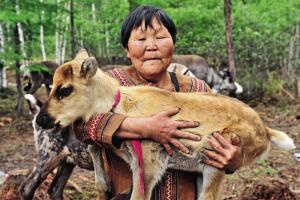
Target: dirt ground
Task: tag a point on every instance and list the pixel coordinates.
(17, 151)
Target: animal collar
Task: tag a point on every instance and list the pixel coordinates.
(117, 100)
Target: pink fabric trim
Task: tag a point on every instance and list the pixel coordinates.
(137, 147)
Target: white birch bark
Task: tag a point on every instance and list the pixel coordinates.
(21, 37)
(42, 32)
(95, 24)
(297, 50)
(3, 78)
(64, 43)
(80, 37)
(107, 38)
(58, 35)
(290, 69)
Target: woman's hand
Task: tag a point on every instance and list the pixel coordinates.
(160, 128)
(226, 156)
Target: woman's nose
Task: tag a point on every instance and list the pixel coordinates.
(151, 44)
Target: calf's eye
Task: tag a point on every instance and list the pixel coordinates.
(63, 92)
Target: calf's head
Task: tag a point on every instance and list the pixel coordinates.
(72, 92)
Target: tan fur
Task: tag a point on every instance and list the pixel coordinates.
(214, 112)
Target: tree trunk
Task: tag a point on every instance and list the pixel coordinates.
(64, 37)
(42, 31)
(229, 42)
(97, 30)
(3, 79)
(290, 68)
(20, 98)
(73, 44)
(21, 36)
(107, 44)
(58, 34)
(297, 43)
(297, 87)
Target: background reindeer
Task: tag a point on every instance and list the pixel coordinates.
(221, 81)
(36, 77)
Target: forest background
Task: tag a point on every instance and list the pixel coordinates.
(265, 35)
(266, 51)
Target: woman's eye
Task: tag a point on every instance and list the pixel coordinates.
(141, 39)
(160, 38)
(64, 92)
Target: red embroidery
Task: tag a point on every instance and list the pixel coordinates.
(92, 131)
(121, 76)
(168, 186)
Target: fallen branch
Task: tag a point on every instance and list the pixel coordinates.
(75, 186)
(287, 93)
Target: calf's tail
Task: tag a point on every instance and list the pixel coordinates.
(280, 139)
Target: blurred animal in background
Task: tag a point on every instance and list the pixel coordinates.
(38, 74)
(180, 69)
(222, 81)
(55, 149)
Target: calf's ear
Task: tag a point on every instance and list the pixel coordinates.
(81, 54)
(89, 67)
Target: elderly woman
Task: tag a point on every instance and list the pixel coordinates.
(148, 36)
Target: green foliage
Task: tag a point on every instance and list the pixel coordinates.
(274, 83)
(264, 168)
(262, 30)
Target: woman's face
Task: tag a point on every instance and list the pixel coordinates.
(150, 50)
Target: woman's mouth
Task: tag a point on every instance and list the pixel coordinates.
(149, 59)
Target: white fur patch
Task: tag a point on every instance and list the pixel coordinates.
(285, 143)
(239, 88)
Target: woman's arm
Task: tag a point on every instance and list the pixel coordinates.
(113, 128)
(160, 128)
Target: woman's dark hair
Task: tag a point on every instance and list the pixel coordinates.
(136, 17)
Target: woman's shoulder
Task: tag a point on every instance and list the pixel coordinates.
(191, 84)
(123, 74)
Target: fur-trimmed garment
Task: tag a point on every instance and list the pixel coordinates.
(175, 185)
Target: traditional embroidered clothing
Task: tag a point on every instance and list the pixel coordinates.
(175, 185)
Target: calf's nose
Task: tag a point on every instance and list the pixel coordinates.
(45, 121)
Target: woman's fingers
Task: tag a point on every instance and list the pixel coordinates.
(216, 158)
(186, 135)
(216, 146)
(179, 145)
(221, 140)
(212, 163)
(187, 124)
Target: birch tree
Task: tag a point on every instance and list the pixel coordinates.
(21, 37)
(3, 79)
(229, 42)
(64, 39)
(42, 31)
(58, 35)
(72, 27)
(95, 24)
